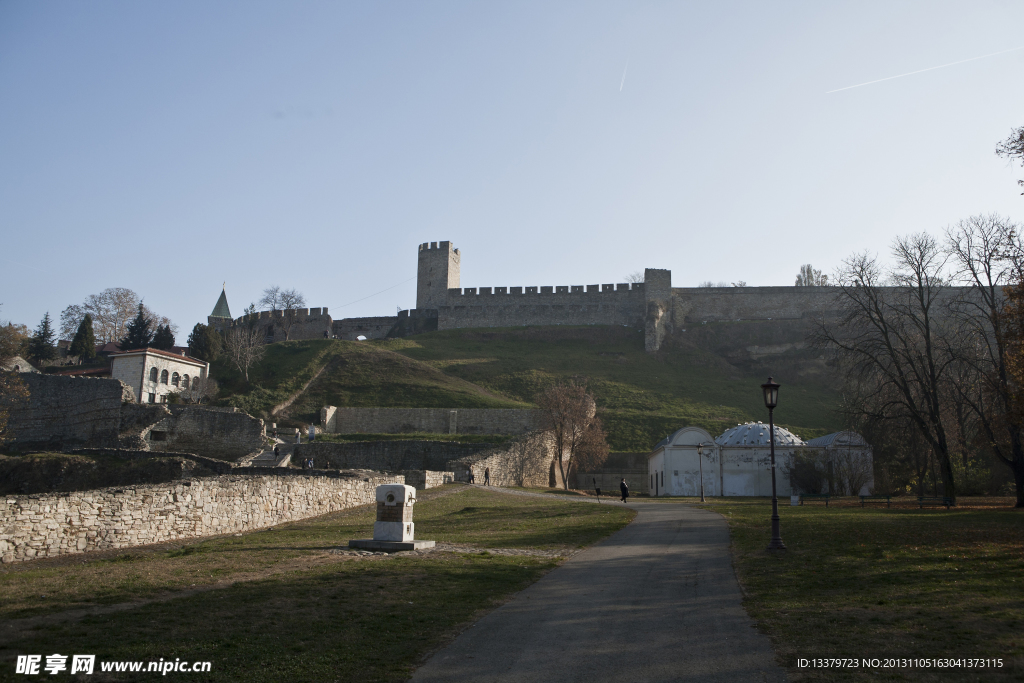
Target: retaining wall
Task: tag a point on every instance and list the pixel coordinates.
(526, 461)
(386, 456)
(46, 525)
(427, 479)
(69, 410)
(430, 420)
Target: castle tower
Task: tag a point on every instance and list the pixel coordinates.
(438, 270)
(220, 319)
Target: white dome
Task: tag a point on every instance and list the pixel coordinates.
(756, 434)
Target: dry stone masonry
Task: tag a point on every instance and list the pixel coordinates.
(429, 420)
(48, 525)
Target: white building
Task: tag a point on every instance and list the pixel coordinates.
(152, 374)
(738, 462)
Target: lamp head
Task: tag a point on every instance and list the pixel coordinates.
(771, 394)
(700, 449)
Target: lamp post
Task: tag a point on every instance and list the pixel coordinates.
(771, 399)
(700, 459)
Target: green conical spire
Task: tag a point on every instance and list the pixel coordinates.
(221, 310)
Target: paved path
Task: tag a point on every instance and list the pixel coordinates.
(656, 601)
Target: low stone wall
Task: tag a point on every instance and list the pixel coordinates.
(386, 456)
(526, 461)
(430, 420)
(46, 525)
(427, 479)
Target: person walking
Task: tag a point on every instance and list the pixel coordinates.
(487, 476)
(472, 477)
(624, 489)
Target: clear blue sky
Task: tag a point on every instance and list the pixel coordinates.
(171, 146)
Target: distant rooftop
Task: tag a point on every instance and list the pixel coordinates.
(756, 434)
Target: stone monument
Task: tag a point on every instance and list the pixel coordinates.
(394, 529)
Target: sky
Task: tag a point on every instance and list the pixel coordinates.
(170, 147)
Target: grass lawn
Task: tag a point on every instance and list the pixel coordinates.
(877, 583)
(276, 605)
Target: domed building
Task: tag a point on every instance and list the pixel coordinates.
(738, 463)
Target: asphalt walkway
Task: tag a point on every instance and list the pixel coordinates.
(656, 601)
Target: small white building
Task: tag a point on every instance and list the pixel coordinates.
(738, 462)
(152, 373)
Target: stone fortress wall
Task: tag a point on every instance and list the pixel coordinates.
(429, 420)
(47, 525)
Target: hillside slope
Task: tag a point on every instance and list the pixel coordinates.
(707, 376)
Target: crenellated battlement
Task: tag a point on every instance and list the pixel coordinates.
(560, 290)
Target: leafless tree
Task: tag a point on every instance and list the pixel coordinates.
(809, 277)
(200, 390)
(245, 346)
(988, 257)
(1013, 148)
(636, 277)
(891, 341)
(569, 409)
(277, 299)
(111, 310)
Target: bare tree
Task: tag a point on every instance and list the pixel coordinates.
(245, 347)
(568, 410)
(199, 390)
(277, 299)
(636, 277)
(1013, 148)
(890, 341)
(809, 277)
(111, 311)
(988, 257)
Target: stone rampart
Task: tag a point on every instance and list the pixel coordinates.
(290, 324)
(427, 479)
(430, 420)
(371, 328)
(46, 525)
(525, 461)
(386, 456)
(65, 410)
(754, 303)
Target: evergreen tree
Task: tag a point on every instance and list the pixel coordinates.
(139, 333)
(84, 343)
(41, 347)
(205, 343)
(164, 338)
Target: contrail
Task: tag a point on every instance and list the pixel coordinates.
(624, 75)
(931, 68)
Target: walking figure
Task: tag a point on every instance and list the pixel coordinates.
(624, 489)
(487, 476)
(472, 477)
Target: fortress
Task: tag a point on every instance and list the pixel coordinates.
(653, 305)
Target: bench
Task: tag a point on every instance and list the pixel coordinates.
(819, 496)
(887, 500)
(933, 500)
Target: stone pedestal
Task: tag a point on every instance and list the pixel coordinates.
(394, 529)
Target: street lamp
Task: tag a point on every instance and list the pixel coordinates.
(700, 459)
(771, 399)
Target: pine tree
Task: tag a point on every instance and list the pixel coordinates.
(139, 334)
(84, 343)
(164, 338)
(40, 346)
(205, 343)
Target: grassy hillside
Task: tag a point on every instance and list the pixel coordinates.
(707, 376)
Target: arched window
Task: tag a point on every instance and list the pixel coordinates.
(163, 377)
(184, 382)
(176, 379)
(152, 375)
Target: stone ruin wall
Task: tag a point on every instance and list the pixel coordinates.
(65, 410)
(72, 412)
(430, 420)
(427, 479)
(526, 461)
(386, 456)
(47, 525)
